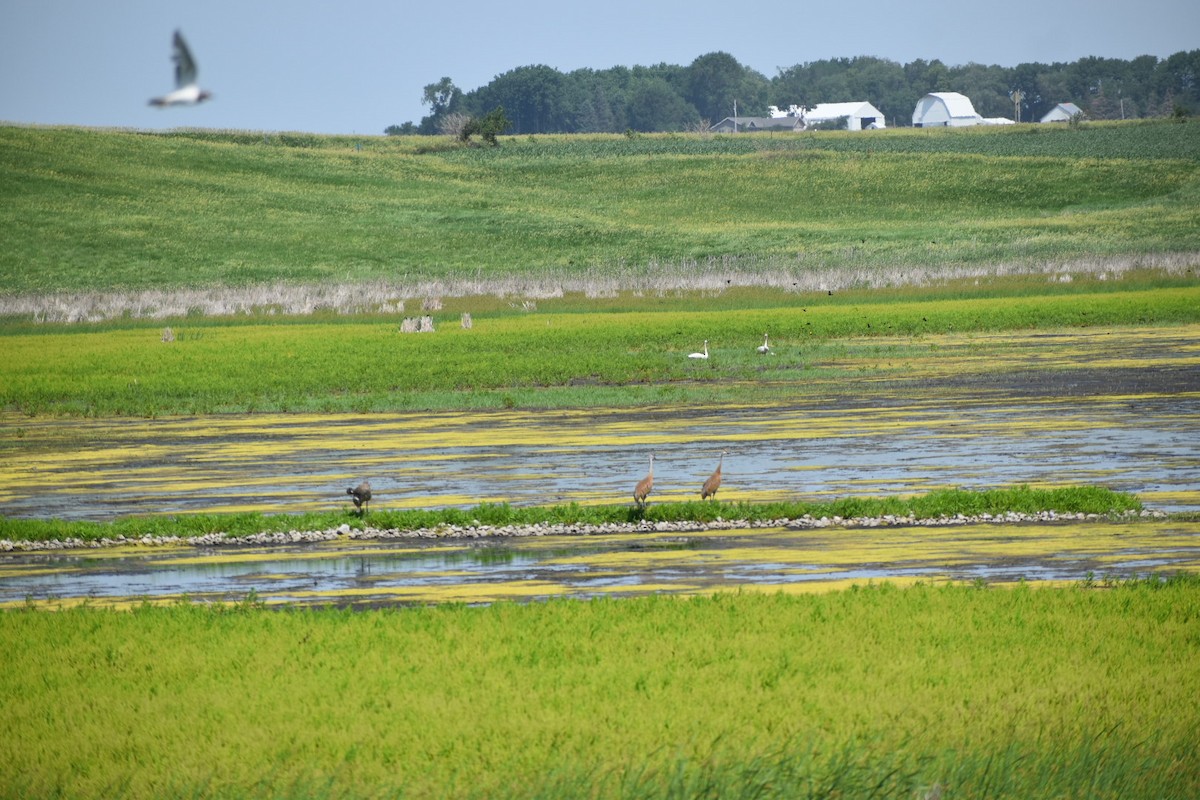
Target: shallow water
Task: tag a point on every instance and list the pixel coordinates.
(1128, 420)
(1112, 407)
(388, 572)
(881, 445)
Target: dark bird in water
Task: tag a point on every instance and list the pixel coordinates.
(645, 485)
(709, 489)
(361, 495)
(187, 91)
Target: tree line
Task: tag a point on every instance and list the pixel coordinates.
(666, 97)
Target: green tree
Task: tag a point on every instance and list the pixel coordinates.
(654, 106)
(489, 126)
(407, 129)
(533, 97)
(924, 77)
(442, 98)
(716, 80)
(881, 83)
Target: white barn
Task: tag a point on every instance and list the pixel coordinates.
(945, 109)
(1062, 113)
(860, 116)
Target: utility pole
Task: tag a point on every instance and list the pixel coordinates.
(1017, 96)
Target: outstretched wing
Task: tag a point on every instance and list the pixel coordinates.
(185, 65)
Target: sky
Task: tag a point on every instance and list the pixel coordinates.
(358, 66)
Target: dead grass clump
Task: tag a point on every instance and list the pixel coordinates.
(417, 325)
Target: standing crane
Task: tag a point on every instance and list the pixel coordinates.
(709, 489)
(361, 495)
(644, 486)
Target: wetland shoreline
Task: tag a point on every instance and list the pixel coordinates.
(452, 532)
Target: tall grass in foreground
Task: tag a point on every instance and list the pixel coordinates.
(871, 692)
(945, 503)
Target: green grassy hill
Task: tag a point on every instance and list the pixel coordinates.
(85, 210)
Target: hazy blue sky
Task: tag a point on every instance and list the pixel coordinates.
(357, 66)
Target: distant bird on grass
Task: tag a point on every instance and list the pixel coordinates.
(645, 485)
(764, 348)
(709, 489)
(700, 355)
(187, 91)
(361, 495)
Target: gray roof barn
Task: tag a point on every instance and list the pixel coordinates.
(1062, 113)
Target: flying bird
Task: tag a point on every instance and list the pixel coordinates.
(187, 91)
(642, 490)
(700, 355)
(361, 495)
(764, 348)
(709, 489)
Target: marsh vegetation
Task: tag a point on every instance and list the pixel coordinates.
(589, 267)
(880, 691)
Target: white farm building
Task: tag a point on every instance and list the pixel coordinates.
(1062, 113)
(859, 116)
(950, 109)
(945, 109)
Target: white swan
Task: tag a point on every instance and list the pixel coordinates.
(700, 355)
(764, 348)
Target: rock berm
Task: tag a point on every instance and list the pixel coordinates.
(561, 529)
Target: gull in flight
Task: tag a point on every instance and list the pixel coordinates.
(187, 91)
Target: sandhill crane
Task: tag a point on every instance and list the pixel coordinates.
(644, 486)
(700, 355)
(764, 348)
(361, 495)
(709, 489)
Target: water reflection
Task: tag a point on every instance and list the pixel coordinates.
(385, 572)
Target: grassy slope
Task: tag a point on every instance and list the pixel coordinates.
(869, 692)
(85, 209)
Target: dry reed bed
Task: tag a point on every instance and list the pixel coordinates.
(793, 275)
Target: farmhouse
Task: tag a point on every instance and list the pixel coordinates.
(1062, 113)
(752, 124)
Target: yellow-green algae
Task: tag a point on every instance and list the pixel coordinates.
(698, 562)
(47, 458)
